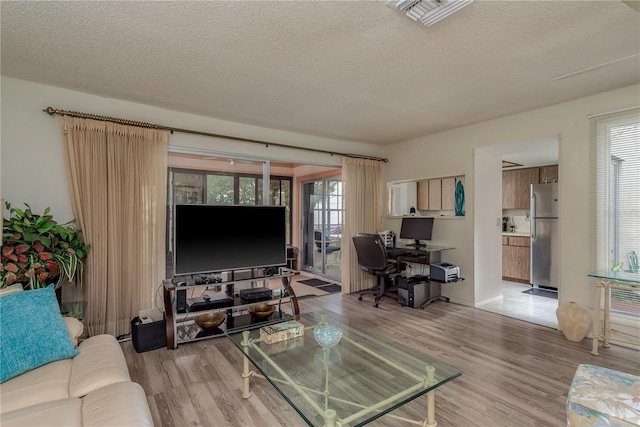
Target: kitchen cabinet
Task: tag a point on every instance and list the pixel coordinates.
(548, 174)
(435, 194)
(516, 185)
(430, 194)
(438, 194)
(516, 264)
(423, 195)
(448, 193)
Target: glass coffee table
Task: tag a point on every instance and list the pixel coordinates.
(349, 383)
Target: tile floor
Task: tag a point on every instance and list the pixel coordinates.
(531, 308)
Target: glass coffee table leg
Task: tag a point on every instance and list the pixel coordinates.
(330, 418)
(431, 399)
(246, 374)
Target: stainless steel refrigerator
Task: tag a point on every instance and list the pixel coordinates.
(545, 266)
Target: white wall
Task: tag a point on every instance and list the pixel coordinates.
(32, 161)
(451, 153)
(487, 216)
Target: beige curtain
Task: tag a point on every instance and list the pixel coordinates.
(362, 183)
(117, 180)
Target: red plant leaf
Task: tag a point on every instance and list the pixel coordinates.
(43, 275)
(30, 273)
(7, 250)
(21, 248)
(45, 256)
(11, 267)
(38, 246)
(22, 258)
(11, 277)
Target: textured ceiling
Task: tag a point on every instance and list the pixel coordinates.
(351, 70)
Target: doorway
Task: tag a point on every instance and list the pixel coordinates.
(322, 216)
(492, 293)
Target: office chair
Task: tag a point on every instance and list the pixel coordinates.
(372, 258)
(328, 249)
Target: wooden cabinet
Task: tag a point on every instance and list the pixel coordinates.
(516, 184)
(423, 195)
(516, 187)
(430, 194)
(438, 194)
(548, 174)
(516, 266)
(448, 193)
(435, 194)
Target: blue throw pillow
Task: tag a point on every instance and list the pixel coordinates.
(32, 332)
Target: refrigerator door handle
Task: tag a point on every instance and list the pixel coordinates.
(532, 212)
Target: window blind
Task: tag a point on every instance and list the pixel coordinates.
(614, 194)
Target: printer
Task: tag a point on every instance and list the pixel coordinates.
(444, 272)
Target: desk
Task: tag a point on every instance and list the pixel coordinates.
(422, 255)
(425, 255)
(607, 280)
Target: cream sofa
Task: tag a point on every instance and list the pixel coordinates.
(91, 389)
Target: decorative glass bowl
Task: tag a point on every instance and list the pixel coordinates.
(327, 336)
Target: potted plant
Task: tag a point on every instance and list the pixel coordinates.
(36, 249)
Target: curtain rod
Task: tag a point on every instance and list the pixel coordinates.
(52, 111)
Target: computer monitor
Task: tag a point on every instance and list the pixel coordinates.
(416, 228)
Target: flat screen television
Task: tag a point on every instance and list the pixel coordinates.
(416, 228)
(210, 238)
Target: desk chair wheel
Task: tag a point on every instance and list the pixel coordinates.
(375, 305)
(359, 297)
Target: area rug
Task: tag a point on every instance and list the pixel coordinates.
(541, 293)
(332, 288)
(313, 282)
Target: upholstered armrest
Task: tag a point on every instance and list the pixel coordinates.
(75, 328)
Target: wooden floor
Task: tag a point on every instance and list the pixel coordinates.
(514, 373)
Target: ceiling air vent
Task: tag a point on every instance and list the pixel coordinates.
(428, 12)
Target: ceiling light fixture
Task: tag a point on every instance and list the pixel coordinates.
(428, 12)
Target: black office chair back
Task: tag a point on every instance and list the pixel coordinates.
(371, 252)
(317, 235)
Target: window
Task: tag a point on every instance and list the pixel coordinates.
(221, 187)
(615, 199)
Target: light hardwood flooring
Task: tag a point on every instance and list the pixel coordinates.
(514, 373)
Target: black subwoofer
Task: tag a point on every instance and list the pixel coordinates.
(148, 336)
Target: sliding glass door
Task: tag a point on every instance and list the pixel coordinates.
(218, 180)
(322, 214)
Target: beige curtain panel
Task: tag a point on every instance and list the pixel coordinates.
(362, 183)
(117, 180)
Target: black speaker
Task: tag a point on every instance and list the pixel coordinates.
(148, 336)
(181, 301)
